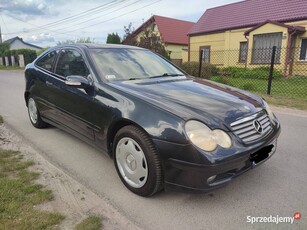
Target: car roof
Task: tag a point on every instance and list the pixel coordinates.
(99, 46)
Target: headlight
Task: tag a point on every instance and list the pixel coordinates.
(205, 138)
(269, 111)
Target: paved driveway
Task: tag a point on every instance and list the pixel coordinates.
(278, 187)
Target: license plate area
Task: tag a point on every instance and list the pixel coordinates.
(261, 154)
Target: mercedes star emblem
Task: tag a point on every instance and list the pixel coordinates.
(258, 126)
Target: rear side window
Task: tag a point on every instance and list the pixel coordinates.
(47, 61)
(71, 62)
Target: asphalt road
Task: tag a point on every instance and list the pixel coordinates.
(278, 187)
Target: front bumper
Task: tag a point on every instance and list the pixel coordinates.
(187, 176)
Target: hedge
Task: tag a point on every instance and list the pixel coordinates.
(192, 68)
(257, 72)
(29, 55)
(209, 70)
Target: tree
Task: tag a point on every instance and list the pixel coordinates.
(148, 40)
(3, 47)
(129, 39)
(78, 40)
(151, 41)
(39, 52)
(113, 38)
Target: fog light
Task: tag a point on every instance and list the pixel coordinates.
(210, 179)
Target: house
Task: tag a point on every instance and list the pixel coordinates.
(18, 43)
(248, 30)
(171, 32)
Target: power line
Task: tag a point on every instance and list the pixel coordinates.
(69, 32)
(67, 19)
(64, 28)
(115, 17)
(92, 11)
(34, 26)
(4, 23)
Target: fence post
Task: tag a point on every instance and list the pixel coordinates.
(200, 62)
(21, 60)
(271, 70)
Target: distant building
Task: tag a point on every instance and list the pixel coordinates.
(18, 43)
(171, 32)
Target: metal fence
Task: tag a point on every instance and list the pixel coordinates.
(274, 71)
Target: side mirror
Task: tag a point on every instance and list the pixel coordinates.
(77, 81)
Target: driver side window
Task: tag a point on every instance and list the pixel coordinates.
(71, 62)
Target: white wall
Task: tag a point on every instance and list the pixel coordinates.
(17, 44)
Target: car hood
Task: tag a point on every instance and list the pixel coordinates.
(213, 103)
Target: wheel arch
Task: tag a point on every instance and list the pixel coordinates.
(27, 95)
(114, 128)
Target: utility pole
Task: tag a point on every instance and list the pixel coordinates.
(0, 36)
(0, 30)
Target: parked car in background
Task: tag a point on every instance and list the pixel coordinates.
(163, 128)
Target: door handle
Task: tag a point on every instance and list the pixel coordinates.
(48, 83)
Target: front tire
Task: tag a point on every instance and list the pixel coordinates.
(137, 161)
(34, 114)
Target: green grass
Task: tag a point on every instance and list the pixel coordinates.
(2, 67)
(90, 223)
(284, 92)
(283, 101)
(19, 195)
(1, 120)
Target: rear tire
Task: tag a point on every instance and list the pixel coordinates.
(137, 161)
(34, 114)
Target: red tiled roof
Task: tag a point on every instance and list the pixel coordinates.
(249, 13)
(172, 31)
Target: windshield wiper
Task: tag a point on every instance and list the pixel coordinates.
(135, 78)
(168, 75)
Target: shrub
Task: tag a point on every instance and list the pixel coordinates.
(223, 80)
(29, 55)
(261, 72)
(39, 52)
(249, 86)
(3, 47)
(192, 68)
(7, 53)
(13, 52)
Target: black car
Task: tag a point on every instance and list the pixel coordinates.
(163, 128)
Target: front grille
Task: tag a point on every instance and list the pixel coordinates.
(245, 127)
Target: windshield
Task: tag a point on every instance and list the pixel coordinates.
(130, 64)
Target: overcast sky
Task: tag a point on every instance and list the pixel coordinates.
(45, 22)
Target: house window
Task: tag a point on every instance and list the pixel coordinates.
(243, 52)
(155, 28)
(205, 53)
(303, 53)
(263, 46)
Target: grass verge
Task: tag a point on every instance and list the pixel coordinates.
(2, 67)
(90, 223)
(19, 195)
(297, 103)
(288, 93)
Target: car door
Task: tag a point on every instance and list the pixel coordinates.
(43, 69)
(71, 106)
